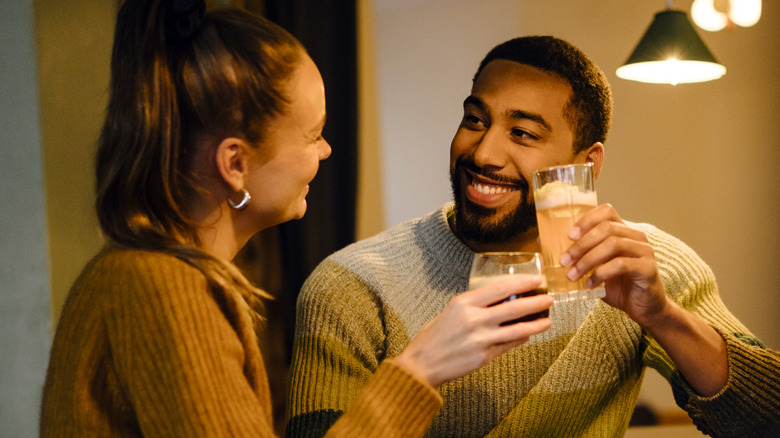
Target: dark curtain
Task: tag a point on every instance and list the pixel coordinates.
(328, 30)
(279, 259)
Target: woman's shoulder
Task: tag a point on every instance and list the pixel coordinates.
(119, 259)
(137, 271)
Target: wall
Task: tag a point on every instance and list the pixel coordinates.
(698, 160)
(74, 49)
(54, 74)
(25, 319)
(370, 200)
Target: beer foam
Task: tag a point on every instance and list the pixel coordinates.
(558, 193)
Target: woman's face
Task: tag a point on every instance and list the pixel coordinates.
(279, 178)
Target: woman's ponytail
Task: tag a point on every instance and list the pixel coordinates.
(180, 74)
(182, 19)
(138, 189)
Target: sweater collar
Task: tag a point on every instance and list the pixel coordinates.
(441, 243)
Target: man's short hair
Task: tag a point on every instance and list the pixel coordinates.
(589, 110)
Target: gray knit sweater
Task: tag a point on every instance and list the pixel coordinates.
(366, 302)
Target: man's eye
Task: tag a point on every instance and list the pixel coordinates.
(522, 134)
(473, 120)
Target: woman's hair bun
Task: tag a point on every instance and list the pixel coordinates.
(182, 18)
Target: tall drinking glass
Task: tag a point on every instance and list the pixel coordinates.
(489, 267)
(563, 194)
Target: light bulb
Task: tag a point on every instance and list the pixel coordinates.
(745, 13)
(707, 17)
(671, 71)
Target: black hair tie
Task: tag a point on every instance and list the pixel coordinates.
(182, 19)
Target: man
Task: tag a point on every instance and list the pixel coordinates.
(535, 102)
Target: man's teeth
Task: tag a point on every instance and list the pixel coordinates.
(491, 189)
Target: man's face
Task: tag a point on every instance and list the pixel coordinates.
(512, 124)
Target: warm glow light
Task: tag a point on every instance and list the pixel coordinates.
(671, 71)
(745, 13)
(671, 52)
(706, 17)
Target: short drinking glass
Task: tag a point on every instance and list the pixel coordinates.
(489, 267)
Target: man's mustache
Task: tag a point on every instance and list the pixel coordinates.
(469, 164)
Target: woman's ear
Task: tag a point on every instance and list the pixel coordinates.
(232, 159)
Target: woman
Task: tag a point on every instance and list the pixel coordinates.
(213, 132)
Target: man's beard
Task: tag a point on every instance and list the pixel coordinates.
(477, 223)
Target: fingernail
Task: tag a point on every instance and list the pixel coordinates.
(565, 259)
(574, 233)
(572, 274)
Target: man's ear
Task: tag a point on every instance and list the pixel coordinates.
(594, 154)
(232, 159)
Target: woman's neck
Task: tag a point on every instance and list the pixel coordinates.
(217, 230)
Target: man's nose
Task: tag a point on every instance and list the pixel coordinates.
(488, 151)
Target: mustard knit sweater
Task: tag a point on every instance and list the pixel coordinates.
(144, 348)
(581, 378)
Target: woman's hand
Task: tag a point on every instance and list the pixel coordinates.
(469, 333)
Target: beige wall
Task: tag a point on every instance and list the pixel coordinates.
(74, 48)
(371, 209)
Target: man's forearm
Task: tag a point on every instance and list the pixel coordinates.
(695, 347)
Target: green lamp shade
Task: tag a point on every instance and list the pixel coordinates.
(671, 52)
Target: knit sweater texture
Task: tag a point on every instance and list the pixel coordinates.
(145, 348)
(363, 305)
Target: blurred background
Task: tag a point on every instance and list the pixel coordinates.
(701, 161)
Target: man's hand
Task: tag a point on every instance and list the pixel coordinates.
(624, 261)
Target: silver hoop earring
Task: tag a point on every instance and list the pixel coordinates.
(244, 201)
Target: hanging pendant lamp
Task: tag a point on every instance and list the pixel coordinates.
(671, 52)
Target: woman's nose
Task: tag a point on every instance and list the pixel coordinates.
(325, 150)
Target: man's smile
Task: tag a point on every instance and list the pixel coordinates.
(486, 191)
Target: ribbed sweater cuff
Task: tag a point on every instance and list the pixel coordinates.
(393, 404)
(749, 403)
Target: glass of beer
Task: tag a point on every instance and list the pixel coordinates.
(563, 194)
(489, 267)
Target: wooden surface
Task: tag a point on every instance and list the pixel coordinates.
(687, 431)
